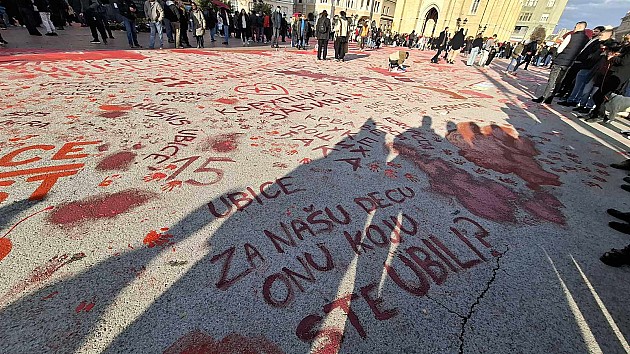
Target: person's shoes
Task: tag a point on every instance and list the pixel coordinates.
(161, 48)
(225, 43)
(624, 165)
(625, 187)
(592, 117)
(583, 110)
(620, 226)
(619, 215)
(213, 40)
(49, 34)
(95, 41)
(171, 41)
(137, 45)
(548, 100)
(538, 100)
(111, 37)
(104, 41)
(616, 258)
(627, 180)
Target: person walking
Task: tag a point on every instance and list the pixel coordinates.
(456, 46)
(363, 34)
(567, 52)
(516, 58)
(530, 51)
(487, 48)
(322, 32)
(477, 44)
(43, 7)
(341, 36)
(441, 44)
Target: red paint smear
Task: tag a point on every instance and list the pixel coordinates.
(111, 107)
(5, 247)
(500, 149)
(475, 94)
(222, 143)
(481, 196)
(198, 342)
(137, 146)
(104, 206)
(74, 56)
(116, 162)
(103, 148)
(226, 100)
(313, 75)
(384, 72)
(193, 51)
(113, 114)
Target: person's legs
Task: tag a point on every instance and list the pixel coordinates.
(153, 28)
(528, 59)
(101, 28)
(46, 22)
(129, 30)
(581, 80)
(437, 55)
(176, 34)
(29, 20)
(169, 30)
(320, 48)
(226, 32)
(213, 32)
(472, 56)
(337, 48)
(556, 75)
(160, 33)
(484, 58)
(325, 52)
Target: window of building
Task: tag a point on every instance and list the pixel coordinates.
(474, 6)
(525, 17)
(544, 18)
(551, 3)
(531, 3)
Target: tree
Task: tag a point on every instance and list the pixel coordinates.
(539, 34)
(204, 4)
(262, 7)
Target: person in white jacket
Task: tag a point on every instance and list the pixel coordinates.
(341, 36)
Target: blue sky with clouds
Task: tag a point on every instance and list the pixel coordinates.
(595, 12)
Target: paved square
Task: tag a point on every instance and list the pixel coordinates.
(203, 201)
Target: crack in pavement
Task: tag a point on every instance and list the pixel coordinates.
(471, 310)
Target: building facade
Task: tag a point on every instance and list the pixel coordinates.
(623, 28)
(286, 6)
(429, 17)
(534, 13)
(357, 11)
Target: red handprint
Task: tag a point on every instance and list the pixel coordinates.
(154, 176)
(169, 186)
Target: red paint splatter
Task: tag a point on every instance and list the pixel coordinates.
(5, 247)
(475, 94)
(500, 149)
(154, 238)
(224, 143)
(114, 108)
(104, 206)
(226, 100)
(481, 196)
(116, 162)
(198, 342)
(137, 146)
(103, 148)
(113, 114)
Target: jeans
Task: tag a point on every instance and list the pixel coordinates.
(130, 28)
(156, 28)
(168, 28)
(513, 63)
(526, 60)
(555, 78)
(226, 33)
(582, 78)
(473, 55)
(177, 33)
(213, 32)
(276, 34)
(46, 22)
(548, 60)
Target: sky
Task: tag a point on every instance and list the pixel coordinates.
(595, 12)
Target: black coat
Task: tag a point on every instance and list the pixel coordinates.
(457, 42)
(238, 22)
(571, 51)
(442, 40)
(42, 5)
(171, 13)
(589, 56)
(322, 29)
(620, 67)
(477, 43)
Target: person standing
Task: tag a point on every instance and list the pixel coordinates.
(363, 35)
(211, 22)
(241, 23)
(267, 28)
(94, 21)
(127, 15)
(172, 18)
(565, 88)
(225, 21)
(567, 52)
(341, 36)
(477, 44)
(25, 8)
(322, 30)
(199, 24)
(456, 46)
(302, 32)
(155, 14)
(276, 22)
(43, 7)
(441, 43)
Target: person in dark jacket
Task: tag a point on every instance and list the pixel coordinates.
(441, 43)
(225, 24)
(528, 52)
(172, 16)
(184, 24)
(276, 24)
(25, 8)
(322, 32)
(567, 52)
(614, 80)
(241, 23)
(566, 86)
(211, 22)
(127, 11)
(584, 64)
(58, 13)
(457, 43)
(43, 7)
(95, 21)
(477, 45)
